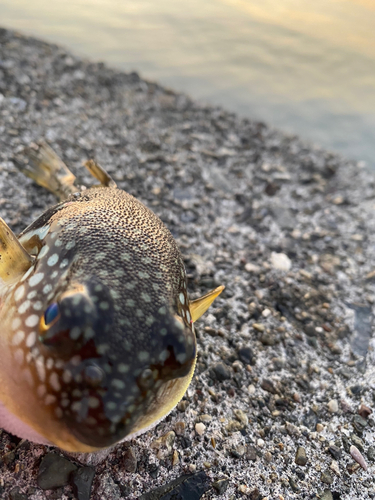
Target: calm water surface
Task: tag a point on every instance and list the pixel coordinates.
(306, 67)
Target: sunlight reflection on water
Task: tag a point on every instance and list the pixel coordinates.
(306, 67)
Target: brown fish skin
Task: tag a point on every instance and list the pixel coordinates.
(97, 340)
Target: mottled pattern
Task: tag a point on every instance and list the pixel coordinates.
(122, 346)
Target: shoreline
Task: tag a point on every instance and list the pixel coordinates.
(286, 355)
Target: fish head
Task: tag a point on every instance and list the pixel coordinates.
(88, 360)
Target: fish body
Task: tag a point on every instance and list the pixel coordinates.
(97, 339)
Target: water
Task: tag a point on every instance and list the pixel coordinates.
(305, 67)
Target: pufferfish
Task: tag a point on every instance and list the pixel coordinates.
(97, 340)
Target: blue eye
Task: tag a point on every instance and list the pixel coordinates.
(51, 313)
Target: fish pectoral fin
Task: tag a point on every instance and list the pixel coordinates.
(14, 260)
(41, 163)
(99, 173)
(199, 306)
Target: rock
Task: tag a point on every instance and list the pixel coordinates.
(358, 457)
(371, 453)
(246, 355)
(333, 406)
(130, 460)
(301, 458)
(335, 451)
(357, 441)
(81, 480)
(359, 424)
(221, 485)
(364, 411)
(54, 471)
(326, 478)
(200, 428)
(16, 495)
(280, 261)
(327, 495)
(268, 386)
(310, 420)
(165, 441)
(185, 487)
(241, 417)
(220, 372)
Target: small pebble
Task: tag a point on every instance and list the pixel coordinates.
(130, 460)
(245, 490)
(327, 495)
(326, 478)
(371, 453)
(179, 428)
(364, 411)
(319, 427)
(260, 443)
(165, 441)
(241, 417)
(220, 372)
(333, 406)
(182, 405)
(175, 458)
(335, 468)
(259, 327)
(358, 457)
(301, 458)
(200, 428)
(221, 485)
(280, 261)
(335, 451)
(205, 418)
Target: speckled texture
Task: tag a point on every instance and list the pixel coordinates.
(286, 356)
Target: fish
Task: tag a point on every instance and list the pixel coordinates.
(97, 337)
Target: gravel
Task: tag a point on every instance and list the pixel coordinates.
(286, 350)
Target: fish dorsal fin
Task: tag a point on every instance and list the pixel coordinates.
(99, 173)
(199, 306)
(42, 164)
(14, 260)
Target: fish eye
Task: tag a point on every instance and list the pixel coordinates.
(50, 316)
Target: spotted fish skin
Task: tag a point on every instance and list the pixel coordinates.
(121, 351)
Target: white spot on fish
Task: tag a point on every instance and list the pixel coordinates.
(145, 297)
(40, 368)
(143, 356)
(38, 305)
(54, 382)
(32, 320)
(36, 279)
(123, 368)
(70, 245)
(43, 252)
(24, 307)
(18, 337)
(118, 384)
(16, 323)
(47, 288)
(53, 260)
(31, 338)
